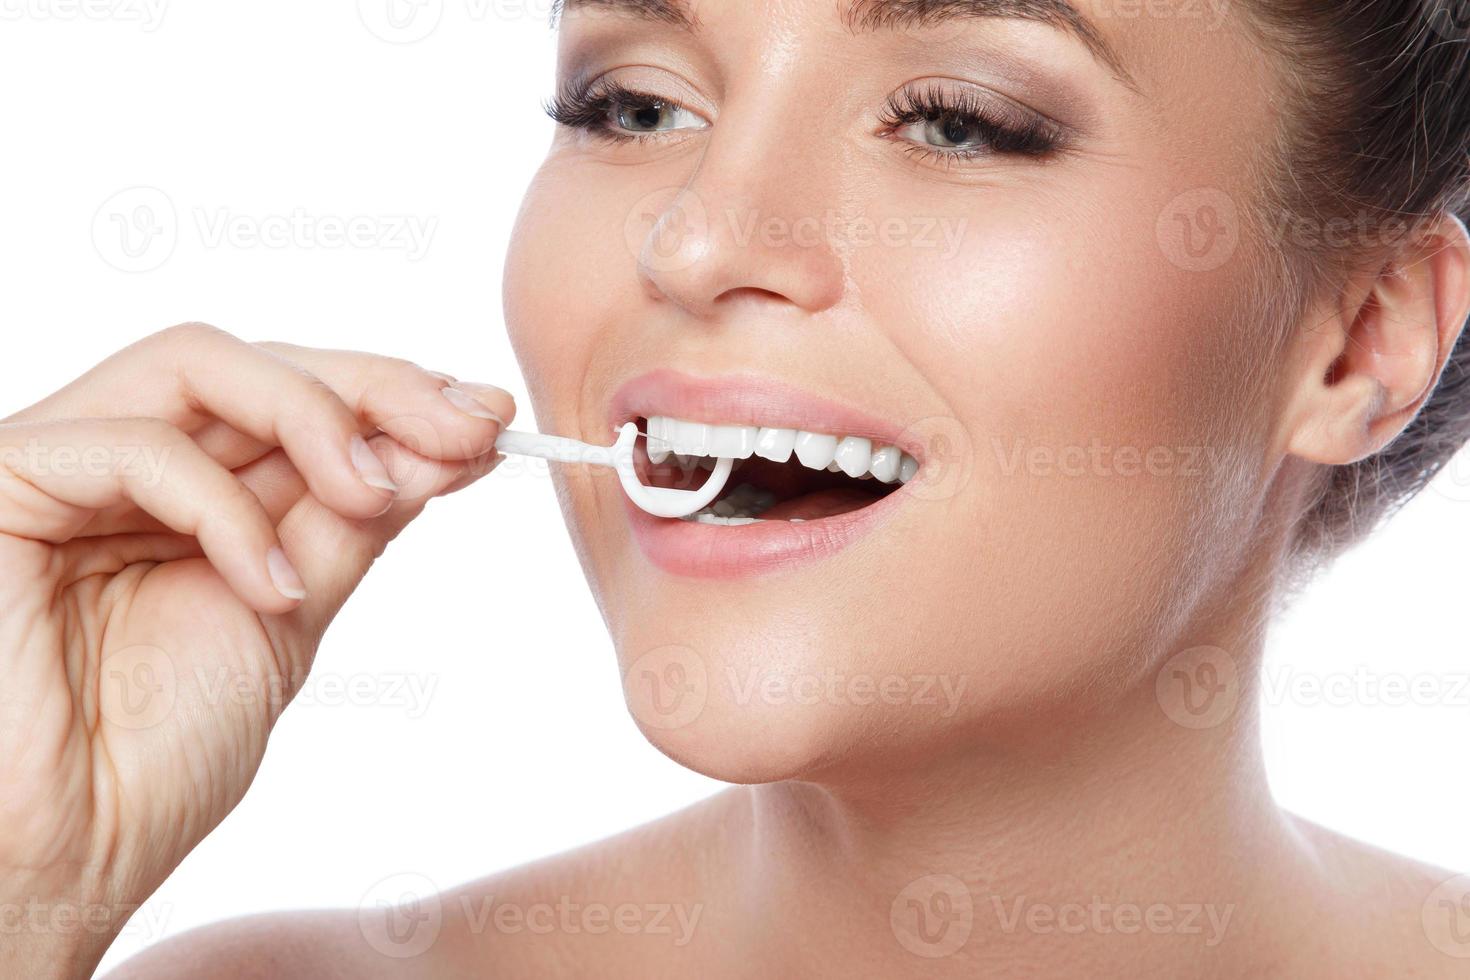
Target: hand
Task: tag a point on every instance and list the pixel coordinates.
(185, 519)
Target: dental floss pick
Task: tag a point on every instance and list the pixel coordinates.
(658, 501)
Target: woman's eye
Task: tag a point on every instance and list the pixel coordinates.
(948, 132)
(654, 116)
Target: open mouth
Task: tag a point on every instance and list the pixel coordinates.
(780, 474)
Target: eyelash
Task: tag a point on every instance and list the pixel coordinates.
(1018, 132)
(586, 106)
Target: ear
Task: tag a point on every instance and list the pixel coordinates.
(1373, 360)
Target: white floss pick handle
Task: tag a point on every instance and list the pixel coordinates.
(658, 501)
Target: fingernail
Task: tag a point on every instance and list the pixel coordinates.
(470, 405)
(284, 575)
(370, 467)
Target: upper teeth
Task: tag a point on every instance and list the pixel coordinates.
(853, 455)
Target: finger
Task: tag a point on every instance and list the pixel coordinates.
(278, 485)
(435, 417)
(107, 556)
(334, 554)
(54, 476)
(188, 374)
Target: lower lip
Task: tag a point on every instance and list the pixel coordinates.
(719, 552)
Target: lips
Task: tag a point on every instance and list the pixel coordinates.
(813, 475)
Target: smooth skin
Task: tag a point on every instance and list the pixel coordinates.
(1056, 782)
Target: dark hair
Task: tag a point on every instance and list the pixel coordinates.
(1376, 139)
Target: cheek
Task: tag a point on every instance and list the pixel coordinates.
(1096, 381)
(567, 265)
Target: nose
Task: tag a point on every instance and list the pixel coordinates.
(743, 233)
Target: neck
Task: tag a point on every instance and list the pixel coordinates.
(1112, 841)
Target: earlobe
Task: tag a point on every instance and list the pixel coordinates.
(1368, 370)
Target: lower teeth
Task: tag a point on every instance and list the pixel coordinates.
(739, 507)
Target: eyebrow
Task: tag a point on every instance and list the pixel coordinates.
(872, 15)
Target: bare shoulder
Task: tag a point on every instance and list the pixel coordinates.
(284, 945)
(634, 904)
(638, 904)
(1383, 914)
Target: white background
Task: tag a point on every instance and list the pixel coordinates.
(516, 744)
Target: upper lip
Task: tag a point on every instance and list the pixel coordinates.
(747, 399)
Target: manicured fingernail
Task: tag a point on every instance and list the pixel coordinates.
(370, 467)
(284, 575)
(470, 405)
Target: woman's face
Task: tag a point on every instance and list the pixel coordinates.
(1005, 245)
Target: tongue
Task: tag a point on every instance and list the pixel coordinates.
(818, 504)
